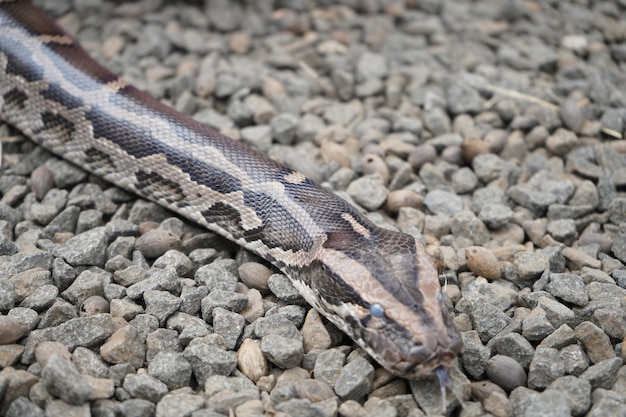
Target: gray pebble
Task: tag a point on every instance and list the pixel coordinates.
(41, 298)
(282, 351)
(88, 248)
(281, 287)
(545, 367)
(87, 284)
(179, 404)
(23, 407)
(229, 325)
(160, 304)
(89, 363)
(488, 321)
(84, 331)
(549, 404)
(165, 279)
(355, 380)
(495, 215)
(171, 368)
(215, 278)
(137, 407)
(577, 392)
(368, 191)
(515, 346)
(207, 360)
(568, 287)
(475, 355)
(328, 366)
(229, 300)
(603, 374)
(443, 203)
(574, 359)
(145, 387)
(536, 325)
(63, 380)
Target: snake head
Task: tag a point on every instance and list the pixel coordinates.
(381, 288)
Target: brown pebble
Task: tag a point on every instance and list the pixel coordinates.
(11, 330)
(314, 333)
(402, 198)
(498, 405)
(272, 87)
(94, 305)
(313, 390)
(482, 262)
(483, 389)
(46, 349)
(506, 372)
(239, 42)
(576, 259)
(62, 237)
(373, 164)
(41, 181)
(251, 361)
(156, 242)
(471, 147)
(332, 151)
(145, 227)
(495, 140)
(597, 344)
(255, 275)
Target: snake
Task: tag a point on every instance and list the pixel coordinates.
(378, 286)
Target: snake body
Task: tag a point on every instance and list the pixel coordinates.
(378, 286)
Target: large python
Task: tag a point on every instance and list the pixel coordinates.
(378, 286)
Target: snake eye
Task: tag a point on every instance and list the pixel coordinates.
(376, 310)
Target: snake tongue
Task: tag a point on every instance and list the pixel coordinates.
(444, 383)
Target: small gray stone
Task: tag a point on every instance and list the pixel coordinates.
(276, 324)
(549, 403)
(41, 298)
(63, 380)
(530, 265)
(284, 128)
(536, 325)
(178, 260)
(466, 224)
(259, 137)
(574, 359)
(145, 387)
(368, 191)
(228, 324)
(355, 380)
(443, 203)
(495, 215)
(207, 360)
(171, 368)
(165, 279)
(84, 331)
(161, 304)
(545, 367)
(89, 283)
(606, 403)
(515, 346)
(215, 278)
(603, 374)
(281, 287)
(284, 352)
(60, 408)
(229, 300)
(577, 392)
(23, 407)
(488, 321)
(179, 404)
(88, 248)
(568, 287)
(7, 295)
(89, 363)
(137, 407)
(475, 355)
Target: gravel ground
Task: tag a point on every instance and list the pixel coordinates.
(491, 130)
